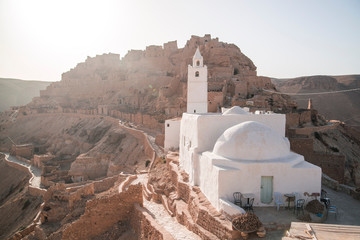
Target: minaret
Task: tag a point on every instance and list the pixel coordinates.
(197, 92)
(310, 106)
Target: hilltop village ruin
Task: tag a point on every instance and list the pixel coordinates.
(164, 125)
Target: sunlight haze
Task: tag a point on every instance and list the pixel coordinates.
(39, 40)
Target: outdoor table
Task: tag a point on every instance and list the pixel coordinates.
(290, 197)
(248, 196)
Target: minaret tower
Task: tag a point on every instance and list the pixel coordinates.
(197, 86)
(310, 106)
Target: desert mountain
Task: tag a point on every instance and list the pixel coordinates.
(335, 98)
(16, 92)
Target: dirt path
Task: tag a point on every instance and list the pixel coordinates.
(35, 181)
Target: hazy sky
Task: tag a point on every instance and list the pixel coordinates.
(40, 39)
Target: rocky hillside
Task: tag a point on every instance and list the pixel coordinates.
(154, 81)
(15, 92)
(340, 105)
(343, 140)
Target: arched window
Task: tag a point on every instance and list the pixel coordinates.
(196, 74)
(197, 63)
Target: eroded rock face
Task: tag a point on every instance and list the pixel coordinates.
(154, 81)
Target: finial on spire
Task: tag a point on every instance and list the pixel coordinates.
(197, 54)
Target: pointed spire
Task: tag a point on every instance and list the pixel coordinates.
(197, 54)
(310, 106)
(198, 59)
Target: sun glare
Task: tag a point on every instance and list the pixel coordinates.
(62, 33)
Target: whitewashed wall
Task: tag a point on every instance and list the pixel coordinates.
(172, 133)
(220, 178)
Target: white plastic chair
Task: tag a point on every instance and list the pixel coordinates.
(278, 200)
(297, 196)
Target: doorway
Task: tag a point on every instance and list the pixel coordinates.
(266, 191)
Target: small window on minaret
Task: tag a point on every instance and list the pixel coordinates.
(196, 74)
(197, 63)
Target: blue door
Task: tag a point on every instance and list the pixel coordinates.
(266, 191)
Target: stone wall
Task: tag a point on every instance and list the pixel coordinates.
(296, 119)
(33, 191)
(20, 168)
(204, 218)
(101, 213)
(159, 140)
(333, 184)
(215, 100)
(190, 207)
(25, 150)
(145, 226)
(39, 159)
(25, 160)
(331, 165)
(104, 184)
(307, 131)
(148, 149)
(85, 167)
(146, 120)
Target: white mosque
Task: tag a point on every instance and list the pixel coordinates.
(236, 151)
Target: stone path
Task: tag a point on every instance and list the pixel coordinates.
(161, 216)
(35, 181)
(348, 208)
(151, 139)
(169, 223)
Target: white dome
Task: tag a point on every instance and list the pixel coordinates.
(235, 110)
(251, 141)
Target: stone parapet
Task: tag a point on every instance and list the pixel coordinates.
(145, 225)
